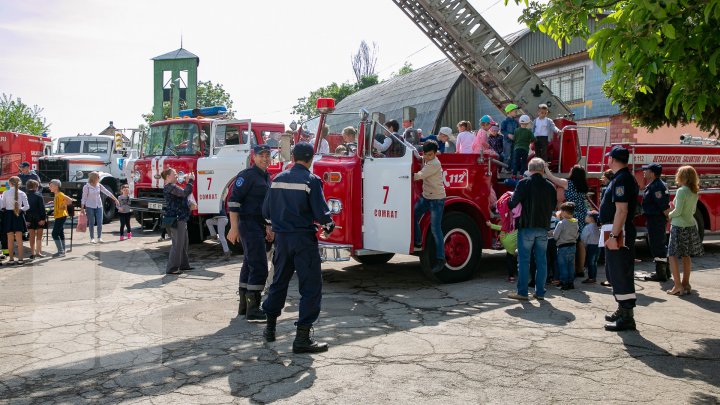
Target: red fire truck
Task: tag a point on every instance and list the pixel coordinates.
(701, 153)
(202, 142)
(16, 148)
(372, 198)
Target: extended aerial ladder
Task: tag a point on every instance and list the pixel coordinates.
(481, 54)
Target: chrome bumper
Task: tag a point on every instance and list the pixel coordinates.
(335, 253)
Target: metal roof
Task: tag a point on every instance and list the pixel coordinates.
(427, 89)
(180, 53)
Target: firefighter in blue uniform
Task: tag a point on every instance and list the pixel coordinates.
(656, 205)
(294, 205)
(617, 210)
(27, 174)
(245, 207)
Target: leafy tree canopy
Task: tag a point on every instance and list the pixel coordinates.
(16, 116)
(661, 55)
(208, 94)
(305, 107)
(405, 69)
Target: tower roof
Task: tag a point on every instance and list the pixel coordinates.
(110, 130)
(180, 53)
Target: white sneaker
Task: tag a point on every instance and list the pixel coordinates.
(93, 241)
(101, 241)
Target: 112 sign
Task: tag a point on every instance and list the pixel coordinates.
(455, 178)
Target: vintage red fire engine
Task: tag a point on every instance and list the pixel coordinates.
(372, 198)
(16, 148)
(202, 142)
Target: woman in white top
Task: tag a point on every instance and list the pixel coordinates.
(93, 205)
(465, 138)
(15, 203)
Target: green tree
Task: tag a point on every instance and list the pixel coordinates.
(17, 116)
(661, 55)
(305, 107)
(405, 69)
(208, 94)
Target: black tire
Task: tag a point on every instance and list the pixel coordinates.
(464, 260)
(195, 234)
(700, 223)
(109, 209)
(374, 260)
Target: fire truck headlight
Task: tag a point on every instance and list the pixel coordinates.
(136, 177)
(79, 174)
(335, 206)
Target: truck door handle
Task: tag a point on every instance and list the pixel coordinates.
(403, 177)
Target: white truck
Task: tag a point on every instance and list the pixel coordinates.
(76, 157)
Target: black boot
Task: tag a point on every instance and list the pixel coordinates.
(254, 313)
(269, 332)
(625, 321)
(660, 272)
(242, 306)
(304, 344)
(614, 316)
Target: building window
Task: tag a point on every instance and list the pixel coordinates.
(568, 86)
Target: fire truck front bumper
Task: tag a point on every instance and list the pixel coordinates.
(330, 252)
(151, 205)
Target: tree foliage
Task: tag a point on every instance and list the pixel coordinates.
(661, 55)
(305, 107)
(405, 69)
(209, 94)
(16, 116)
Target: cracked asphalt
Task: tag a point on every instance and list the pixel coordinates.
(104, 325)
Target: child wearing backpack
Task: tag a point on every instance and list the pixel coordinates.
(509, 241)
(508, 232)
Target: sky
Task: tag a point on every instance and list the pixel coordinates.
(87, 62)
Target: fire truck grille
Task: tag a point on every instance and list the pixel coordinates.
(52, 169)
(150, 193)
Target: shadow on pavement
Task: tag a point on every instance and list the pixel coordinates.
(683, 365)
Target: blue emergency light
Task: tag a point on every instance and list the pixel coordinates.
(203, 112)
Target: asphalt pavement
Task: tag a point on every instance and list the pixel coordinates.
(105, 325)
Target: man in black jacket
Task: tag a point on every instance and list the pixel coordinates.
(539, 199)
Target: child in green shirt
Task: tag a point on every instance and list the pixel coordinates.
(522, 138)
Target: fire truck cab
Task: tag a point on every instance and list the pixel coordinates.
(199, 141)
(16, 148)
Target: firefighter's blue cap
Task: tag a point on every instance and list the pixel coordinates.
(24, 165)
(303, 151)
(258, 149)
(619, 153)
(656, 168)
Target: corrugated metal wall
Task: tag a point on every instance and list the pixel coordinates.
(460, 106)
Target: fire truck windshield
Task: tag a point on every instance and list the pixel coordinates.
(173, 140)
(69, 146)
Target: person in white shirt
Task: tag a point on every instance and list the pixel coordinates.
(15, 203)
(93, 205)
(390, 146)
(465, 138)
(324, 146)
(543, 129)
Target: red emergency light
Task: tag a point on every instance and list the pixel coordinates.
(326, 105)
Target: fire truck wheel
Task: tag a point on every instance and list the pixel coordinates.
(108, 209)
(374, 260)
(700, 224)
(463, 249)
